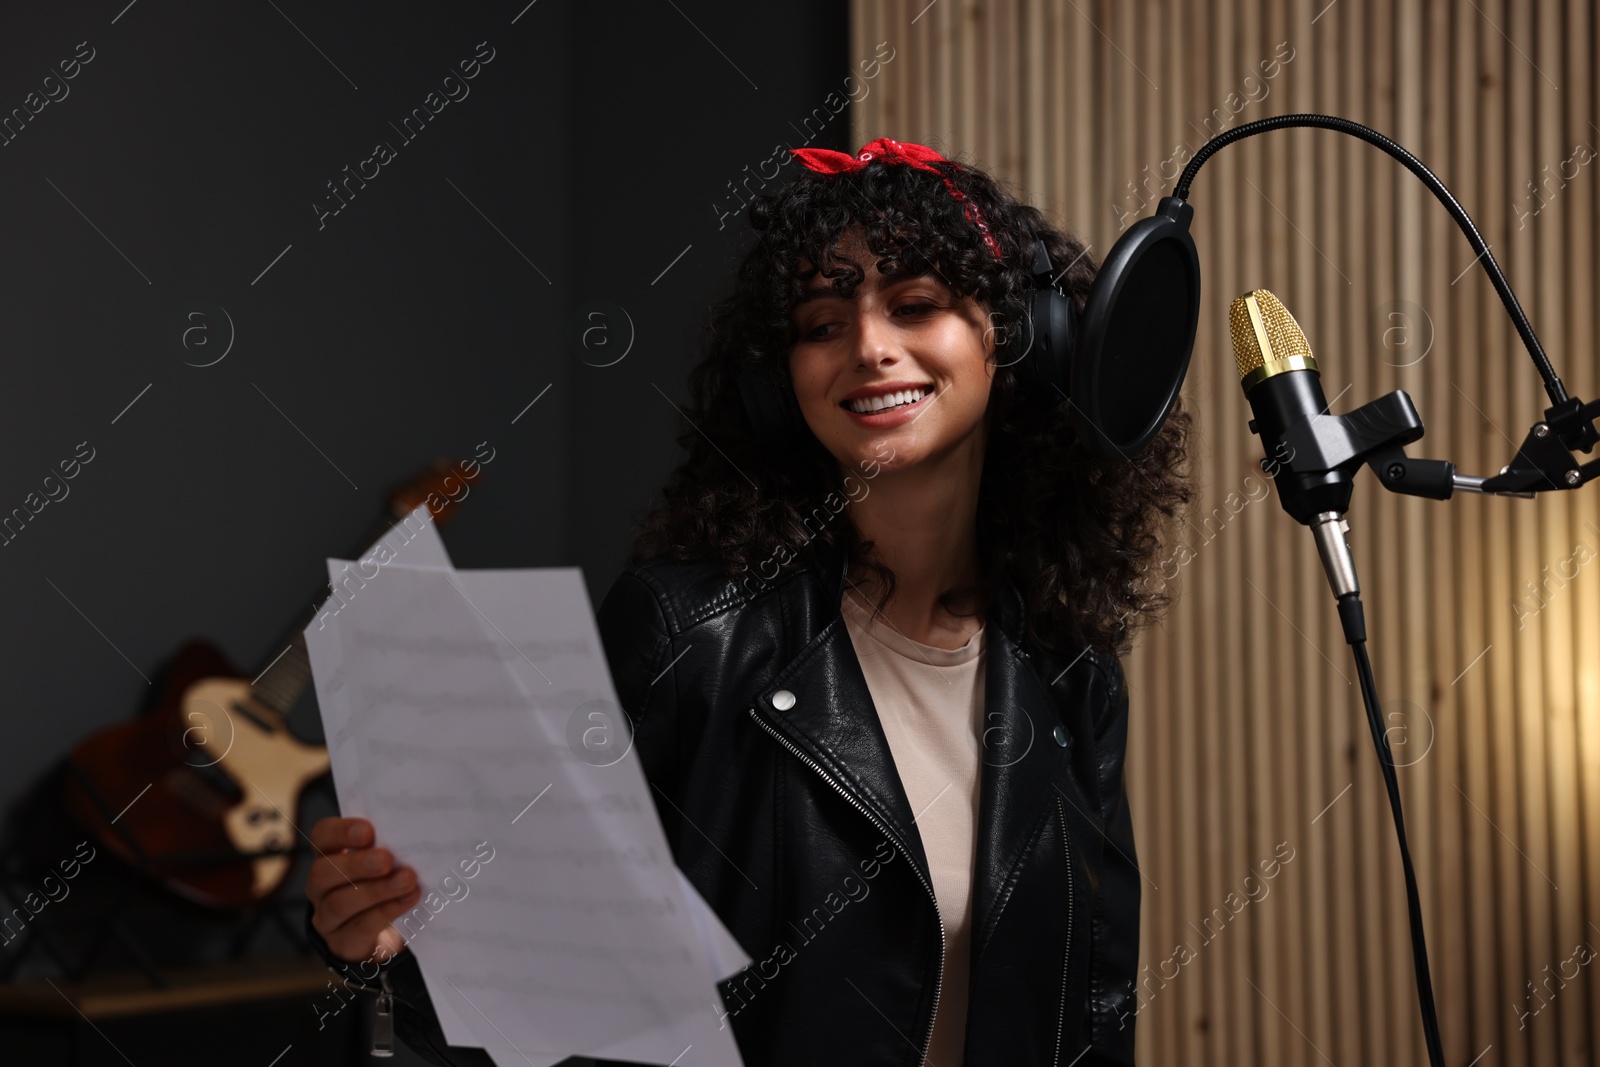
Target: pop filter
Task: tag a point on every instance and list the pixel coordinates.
(1138, 333)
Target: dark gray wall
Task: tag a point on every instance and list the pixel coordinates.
(189, 152)
(186, 156)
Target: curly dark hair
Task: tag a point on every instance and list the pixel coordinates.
(1075, 532)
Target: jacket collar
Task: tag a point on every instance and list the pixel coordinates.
(833, 724)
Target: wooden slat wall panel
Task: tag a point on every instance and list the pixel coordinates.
(1248, 730)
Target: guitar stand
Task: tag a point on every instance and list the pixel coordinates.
(11, 902)
(113, 924)
(271, 910)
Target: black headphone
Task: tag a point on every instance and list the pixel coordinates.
(1049, 336)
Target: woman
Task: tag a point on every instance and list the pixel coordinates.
(870, 642)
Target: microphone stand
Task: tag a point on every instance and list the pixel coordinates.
(1332, 448)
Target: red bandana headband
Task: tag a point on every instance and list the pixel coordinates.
(888, 150)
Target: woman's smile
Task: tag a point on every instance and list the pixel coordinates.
(879, 407)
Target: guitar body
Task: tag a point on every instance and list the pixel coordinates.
(252, 744)
(199, 785)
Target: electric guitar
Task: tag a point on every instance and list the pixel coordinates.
(202, 792)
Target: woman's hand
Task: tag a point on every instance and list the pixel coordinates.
(356, 891)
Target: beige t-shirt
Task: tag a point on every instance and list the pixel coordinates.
(930, 703)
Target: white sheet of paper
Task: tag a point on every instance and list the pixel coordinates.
(724, 955)
(448, 728)
(413, 541)
(524, 620)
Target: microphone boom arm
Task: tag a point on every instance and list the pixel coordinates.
(1542, 463)
(1376, 434)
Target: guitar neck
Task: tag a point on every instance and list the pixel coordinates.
(280, 686)
(283, 681)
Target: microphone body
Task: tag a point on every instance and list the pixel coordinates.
(1284, 388)
(1279, 402)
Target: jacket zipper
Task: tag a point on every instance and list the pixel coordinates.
(383, 1023)
(938, 982)
(1066, 954)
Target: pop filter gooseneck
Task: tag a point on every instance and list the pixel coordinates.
(1552, 384)
(1141, 317)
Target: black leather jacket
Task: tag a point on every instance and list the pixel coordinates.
(781, 802)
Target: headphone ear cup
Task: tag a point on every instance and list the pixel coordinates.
(772, 412)
(1047, 363)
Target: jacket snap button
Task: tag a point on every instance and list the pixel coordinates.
(783, 700)
(1061, 737)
